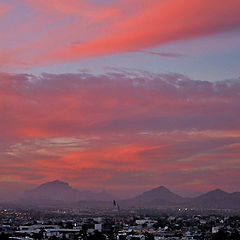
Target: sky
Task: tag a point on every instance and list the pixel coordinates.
(120, 96)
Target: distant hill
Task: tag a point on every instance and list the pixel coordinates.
(61, 194)
(56, 190)
(217, 199)
(159, 193)
(62, 191)
(157, 197)
(161, 197)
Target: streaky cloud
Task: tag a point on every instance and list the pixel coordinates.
(71, 30)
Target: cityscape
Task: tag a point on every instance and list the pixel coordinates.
(120, 119)
(153, 215)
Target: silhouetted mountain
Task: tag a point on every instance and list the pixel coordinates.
(157, 197)
(56, 190)
(236, 194)
(215, 194)
(161, 197)
(159, 193)
(217, 199)
(61, 191)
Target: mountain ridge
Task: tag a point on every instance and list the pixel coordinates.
(59, 190)
(159, 197)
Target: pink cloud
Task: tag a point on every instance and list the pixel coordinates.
(4, 8)
(118, 125)
(73, 30)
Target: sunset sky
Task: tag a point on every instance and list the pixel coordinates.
(120, 95)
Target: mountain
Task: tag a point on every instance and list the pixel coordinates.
(214, 195)
(62, 191)
(157, 197)
(236, 194)
(161, 197)
(56, 190)
(217, 199)
(159, 193)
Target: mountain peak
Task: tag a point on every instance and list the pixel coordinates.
(59, 190)
(161, 188)
(160, 192)
(57, 182)
(217, 191)
(54, 190)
